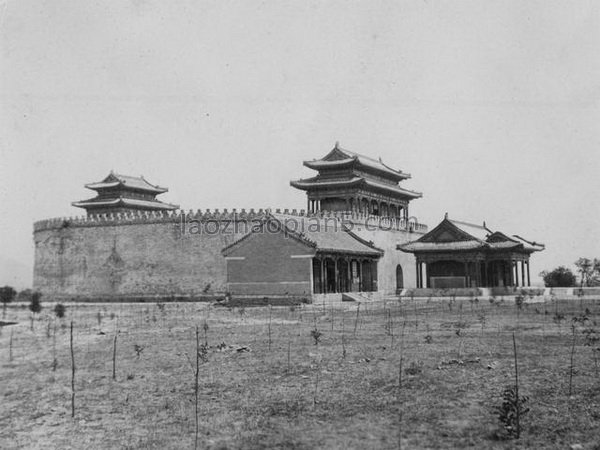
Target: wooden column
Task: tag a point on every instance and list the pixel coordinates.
(375, 273)
(418, 275)
(323, 284)
(359, 273)
(522, 273)
(336, 275)
(528, 278)
(485, 274)
(348, 274)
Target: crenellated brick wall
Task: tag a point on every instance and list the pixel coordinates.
(175, 253)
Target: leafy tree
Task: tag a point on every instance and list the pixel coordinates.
(59, 310)
(7, 295)
(35, 306)
(24, 295)
(589, 271)
(594, 280)
(559, 277)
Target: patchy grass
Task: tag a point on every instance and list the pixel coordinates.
(345, 392)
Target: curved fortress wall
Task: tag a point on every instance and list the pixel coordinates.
(135, 255)
(155, 254)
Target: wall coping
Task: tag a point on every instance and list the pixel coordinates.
(177, 216)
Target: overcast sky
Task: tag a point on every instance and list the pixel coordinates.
(493, 107)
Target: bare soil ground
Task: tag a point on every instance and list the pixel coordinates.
(415, 374)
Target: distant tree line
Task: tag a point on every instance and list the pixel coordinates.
(8, 294)
(588, 270)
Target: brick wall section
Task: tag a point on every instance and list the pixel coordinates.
(129, 259)
(268, 267)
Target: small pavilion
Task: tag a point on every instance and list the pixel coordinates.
(348, 181)
(458, 254)
(123, 193)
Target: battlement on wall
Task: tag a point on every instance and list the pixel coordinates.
(142, 217)
(150, 217)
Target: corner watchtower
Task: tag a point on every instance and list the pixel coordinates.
(349, 181)
(124, 193)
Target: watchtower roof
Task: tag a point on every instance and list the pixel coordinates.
(391, 189)
(127, 182)
(339, 157)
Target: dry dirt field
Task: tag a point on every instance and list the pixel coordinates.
(411, 374)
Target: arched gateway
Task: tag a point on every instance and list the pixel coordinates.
(399, 278)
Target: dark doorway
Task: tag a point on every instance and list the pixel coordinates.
(317, 282)
(399, 278)
(330, 275)
(343, 275)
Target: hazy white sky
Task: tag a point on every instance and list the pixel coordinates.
(494, 107)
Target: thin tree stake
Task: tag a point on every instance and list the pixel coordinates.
(316, 388)
(343, 339)
(72, 374)
(114, 361)
(571, 365)
(270, 315)
(54, 361)
(518, 416)
(356, 320)
(196, 386)
(332, 318)
(399, 404)
(400, 386)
